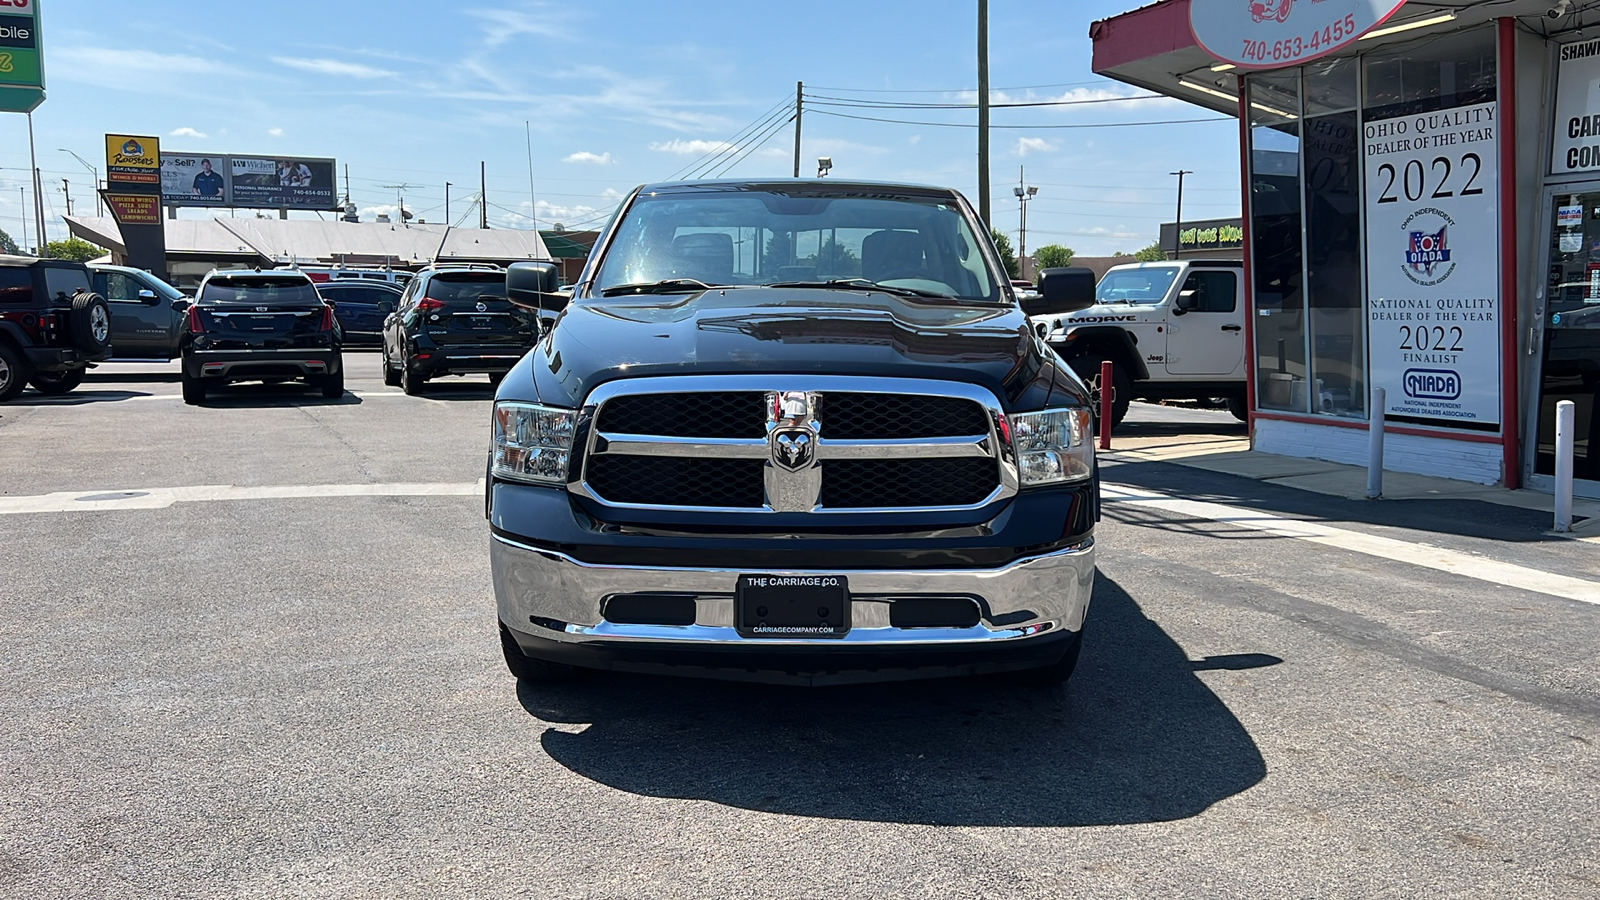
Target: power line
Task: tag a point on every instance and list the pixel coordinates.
(875, 104)
(773, 124)
(756, 146)
(839, 115)
(1025, 87)
(759, 121)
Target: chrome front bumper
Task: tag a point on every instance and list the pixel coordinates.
(550, 596)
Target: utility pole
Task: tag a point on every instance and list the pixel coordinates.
(23, 193)
(1177, 226)
(533, 199)
(983, 111)
(447, 204)
(799, 108)
(38, 186)
(66, 190)
(483, 198)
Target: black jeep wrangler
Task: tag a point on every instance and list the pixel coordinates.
(52, 325)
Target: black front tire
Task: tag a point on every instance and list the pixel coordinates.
(194, 390)
(332, 385)
(1240, 408)
(56, 382)
(527, 669)
(391, 376)
(1058, 672)
(13, 373)
(1088, 368)
(496, 378)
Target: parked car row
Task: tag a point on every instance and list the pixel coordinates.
(58, 317)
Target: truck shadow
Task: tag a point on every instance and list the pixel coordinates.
(1136, 737)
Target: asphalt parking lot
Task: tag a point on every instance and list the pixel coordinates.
(249, 651)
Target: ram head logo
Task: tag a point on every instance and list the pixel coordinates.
(793, 448)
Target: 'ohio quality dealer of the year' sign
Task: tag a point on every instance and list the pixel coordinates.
(1433, 263)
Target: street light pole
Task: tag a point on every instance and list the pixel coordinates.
(1177, 229)
(983, 113)
(1023, 194)
(99, 209)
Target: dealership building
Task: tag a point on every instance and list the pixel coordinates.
(1421, 197)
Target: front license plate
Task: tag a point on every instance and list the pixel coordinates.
(792, 606)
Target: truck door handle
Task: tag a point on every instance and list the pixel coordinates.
(1233, 328)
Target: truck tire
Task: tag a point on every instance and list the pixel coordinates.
(1088, 368)
(1058, 672)
(527, 669)
(91, 322)
(13, 372)
(1240, 407)
(194, 390)
(56, 382)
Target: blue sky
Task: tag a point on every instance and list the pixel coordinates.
(618, 93)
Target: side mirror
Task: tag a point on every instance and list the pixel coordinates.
(1062, 290)
(147, 296)
(535, 286)
(181, 305)
(386, 307)
(1187, 301)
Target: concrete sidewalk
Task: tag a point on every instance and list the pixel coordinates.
(1215, 441)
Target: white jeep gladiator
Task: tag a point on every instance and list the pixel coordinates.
(1172, 331)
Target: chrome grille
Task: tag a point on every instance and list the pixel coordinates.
(730, 443)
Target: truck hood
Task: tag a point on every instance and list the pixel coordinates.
(791, 331)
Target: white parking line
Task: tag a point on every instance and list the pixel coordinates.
(82, 397)
(1454, 562)
(161, 498)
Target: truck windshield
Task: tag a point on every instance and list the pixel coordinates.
(1146, 285)
(850, 237)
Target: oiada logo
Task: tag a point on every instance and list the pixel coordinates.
(1432, 384)
(1275, 10)
(1427, 252)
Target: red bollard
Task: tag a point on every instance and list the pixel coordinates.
(1107, 391)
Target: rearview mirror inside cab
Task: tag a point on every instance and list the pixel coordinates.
(1063, 290)
(535, 286)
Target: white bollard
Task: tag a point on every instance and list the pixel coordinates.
(1375, 445)
(1566, 418)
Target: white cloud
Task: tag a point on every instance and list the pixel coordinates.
(1031, 145)
(690, 148)
(584, 156)
(334, 67)
(185, 131)
(275, 132)
(914, 139)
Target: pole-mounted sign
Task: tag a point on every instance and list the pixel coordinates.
(21, 56)
(1269, 34)
(133, 192)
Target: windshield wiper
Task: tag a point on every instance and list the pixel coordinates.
(863, 284)
(666, 286)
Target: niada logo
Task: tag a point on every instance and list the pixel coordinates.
(1432, 384)
(1427, 255)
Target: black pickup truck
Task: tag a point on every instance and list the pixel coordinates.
(796, 431)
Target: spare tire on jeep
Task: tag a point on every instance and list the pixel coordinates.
(91, 322)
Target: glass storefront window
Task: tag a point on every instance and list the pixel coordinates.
(1275, 235)
(1332, 150)
(1441, 72)
(1571, 368)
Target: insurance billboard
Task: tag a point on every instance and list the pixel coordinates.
(258, 182)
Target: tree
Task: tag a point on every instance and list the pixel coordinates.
(1152, 253)
(1007, 255)
(834, 260)
(1052, 256)
(7, 245)
(73, 249)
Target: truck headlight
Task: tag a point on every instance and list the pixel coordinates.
(532, 443)
(1053, 446)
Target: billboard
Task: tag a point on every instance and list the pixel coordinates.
(133, 162)
(282, 182)
(260, 182)
(194, 179)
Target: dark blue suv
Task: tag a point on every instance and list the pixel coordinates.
(455, 320)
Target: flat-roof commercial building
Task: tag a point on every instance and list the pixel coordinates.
(1421, 186)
